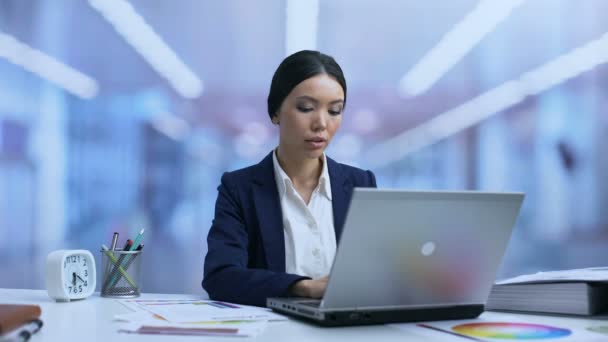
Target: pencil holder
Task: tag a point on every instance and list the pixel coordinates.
(121, 273)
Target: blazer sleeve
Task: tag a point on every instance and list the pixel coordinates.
(372, 179)
(227, 276)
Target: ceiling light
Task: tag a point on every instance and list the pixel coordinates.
(302, 21)
(142, 37)
(47, 67)
(531, 83)
(455, 45)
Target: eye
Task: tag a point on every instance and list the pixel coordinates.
(305, 109)
(335, 112)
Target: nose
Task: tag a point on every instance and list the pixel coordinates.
(319, 121)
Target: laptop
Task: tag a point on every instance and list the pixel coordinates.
(407, 256)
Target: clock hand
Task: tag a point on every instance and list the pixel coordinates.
(80, 278)
(74, 278)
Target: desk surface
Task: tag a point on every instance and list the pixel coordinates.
(92, 320)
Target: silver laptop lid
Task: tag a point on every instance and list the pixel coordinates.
(402, 248)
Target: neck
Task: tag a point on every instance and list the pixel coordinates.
(301, 171)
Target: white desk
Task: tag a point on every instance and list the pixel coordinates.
(92, 320)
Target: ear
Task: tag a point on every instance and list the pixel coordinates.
(275, 119)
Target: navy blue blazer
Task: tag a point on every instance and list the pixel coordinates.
(245, 261)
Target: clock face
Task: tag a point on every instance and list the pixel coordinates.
(70, 274)
(77, 275)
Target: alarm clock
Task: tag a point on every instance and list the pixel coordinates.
(70, 274)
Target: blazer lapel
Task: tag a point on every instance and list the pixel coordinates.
(341, 189)
(269, 214)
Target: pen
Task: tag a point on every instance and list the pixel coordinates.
(24, 332)
(130, 261)
(137, 239)
(112, 248)
(131, 258)
(114, 277)
(114, 241)
(128, 245)
(117, 265)
(111, 279)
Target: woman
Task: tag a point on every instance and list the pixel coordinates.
(276, 223)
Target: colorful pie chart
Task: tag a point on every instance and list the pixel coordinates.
(511, 331)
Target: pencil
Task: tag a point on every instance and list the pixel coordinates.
(115, 262)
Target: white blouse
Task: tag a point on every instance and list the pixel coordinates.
(310, 240)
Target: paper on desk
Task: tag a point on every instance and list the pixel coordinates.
(598, 274)
(145, 317)
(250, 329)
(504, 326)
(201, 311)
(144, 322)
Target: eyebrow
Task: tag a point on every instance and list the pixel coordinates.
(305, 97)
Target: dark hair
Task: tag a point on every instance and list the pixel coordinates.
(296, 68)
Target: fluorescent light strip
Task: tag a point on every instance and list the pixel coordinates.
(172, 126)
(531, 83)
(134, 29)
(47, 67)
(455, 45)
(302, 22)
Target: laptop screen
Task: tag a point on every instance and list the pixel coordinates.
(401, 248)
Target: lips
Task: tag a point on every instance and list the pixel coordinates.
(316, 142)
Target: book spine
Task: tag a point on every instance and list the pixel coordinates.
(597, 295)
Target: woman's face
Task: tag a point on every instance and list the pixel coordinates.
(310, 116)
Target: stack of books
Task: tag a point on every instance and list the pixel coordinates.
(575, 292)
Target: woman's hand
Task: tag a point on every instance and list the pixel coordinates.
(309, 288)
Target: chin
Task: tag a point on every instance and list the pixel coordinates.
(315, 154)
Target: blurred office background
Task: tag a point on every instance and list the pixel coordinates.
(116, 115)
